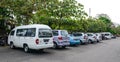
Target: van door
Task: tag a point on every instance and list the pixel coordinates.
(45, 36)
(29, 37)
(19, 40)
(11, 36)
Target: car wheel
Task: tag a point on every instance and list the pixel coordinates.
(55, 45)
(90, 41)
(12, 45)
(63, 46)
(41, 50)
(26, 49)
(98, 41)
(81, 42)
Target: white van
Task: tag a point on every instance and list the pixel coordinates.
(36, 36)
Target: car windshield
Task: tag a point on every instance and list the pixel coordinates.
(55, 33)
(45, 33)
(90, 34)
(96, 34)
(107, 34)
(64, 33)
(77, 34)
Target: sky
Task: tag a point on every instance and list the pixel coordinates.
(109, 7)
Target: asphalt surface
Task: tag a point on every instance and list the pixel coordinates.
(105, 51)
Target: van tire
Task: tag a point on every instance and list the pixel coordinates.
(12, 45)
(26, 48)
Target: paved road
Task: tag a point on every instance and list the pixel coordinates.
(106, 51)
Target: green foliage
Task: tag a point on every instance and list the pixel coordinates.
(66, 14)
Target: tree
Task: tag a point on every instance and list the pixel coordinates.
(104, 17)
(61, 12)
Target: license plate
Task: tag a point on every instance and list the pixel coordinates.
(46, 43)
(46, 40)
(65, 41)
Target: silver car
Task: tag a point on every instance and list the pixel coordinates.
(82, 36)
(99, 37)
(107, 35)
(92, 38)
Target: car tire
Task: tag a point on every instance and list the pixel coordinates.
(12, 45)
(81, 42)
(41, 50)
(98, 41)
(55, 45)
(90, 41)
(63, 46)
(26, 49)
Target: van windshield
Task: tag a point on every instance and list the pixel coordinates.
(45, 33)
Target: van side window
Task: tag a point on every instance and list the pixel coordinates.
(30, 32)
(20, 32)
(12, 33)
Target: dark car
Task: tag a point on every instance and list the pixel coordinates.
(2, 42)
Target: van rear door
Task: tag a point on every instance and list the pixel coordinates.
(45, 36)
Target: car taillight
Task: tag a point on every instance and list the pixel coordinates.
(37, 41)
(85, 37)
(53, 38)
(94, 37)
(60, 38)
(68, 38)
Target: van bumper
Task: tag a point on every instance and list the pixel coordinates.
(37, 47)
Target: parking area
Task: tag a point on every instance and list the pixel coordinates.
(105, 51)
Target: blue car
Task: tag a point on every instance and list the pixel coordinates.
(74, 40)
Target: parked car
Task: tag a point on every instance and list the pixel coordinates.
(60, 38)
(103, 37)
(98, 37)
(74, 40)
(2, 42)
(113, 36)
(36, 36)
(92, 38)
(82, 36)
(107, 35)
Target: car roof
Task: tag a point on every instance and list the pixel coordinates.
(33, 26)
(59, 30)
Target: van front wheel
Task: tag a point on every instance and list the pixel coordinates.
(26, 48)
(12, 45)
